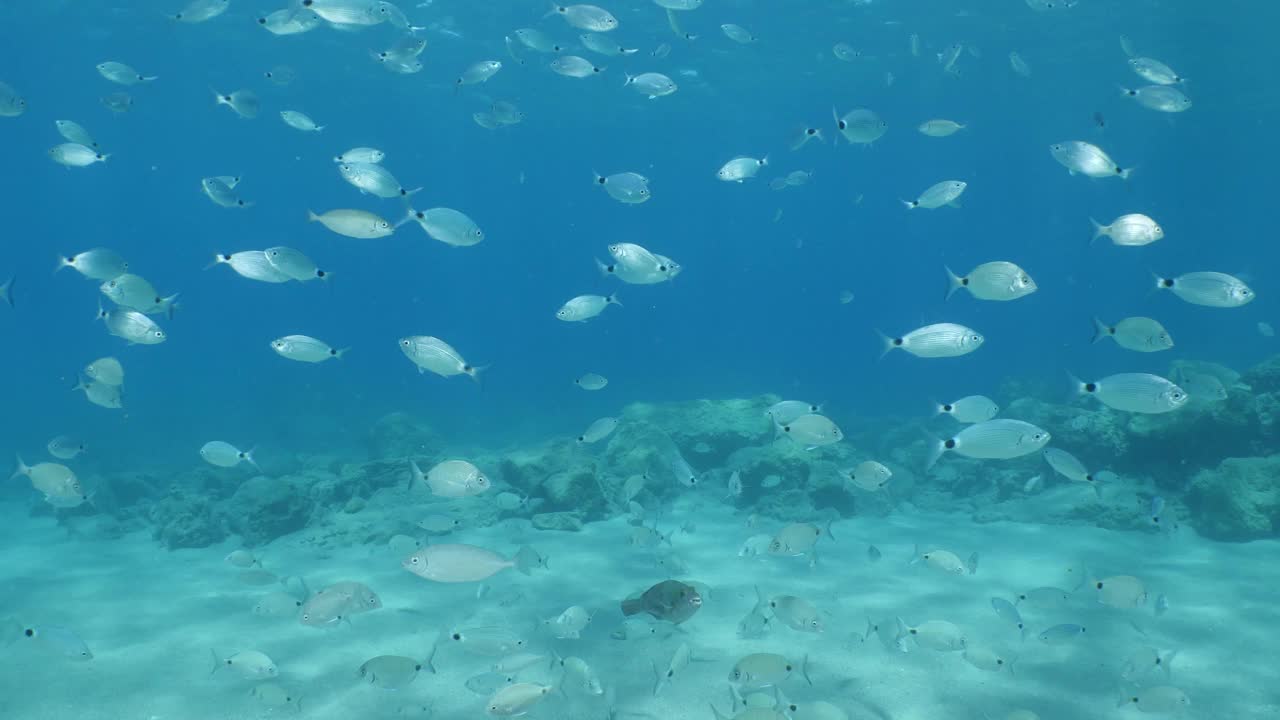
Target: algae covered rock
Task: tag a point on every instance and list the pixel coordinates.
(1237, 500)
(264, 509)
(400, 434)
(186, 520)
(707, 430)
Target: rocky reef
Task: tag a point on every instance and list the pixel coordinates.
(1212, 461)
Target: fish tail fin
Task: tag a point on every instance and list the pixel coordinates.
(887, 343)
(1100, 330)
(911, 204)
(170, 305)
(627, 79)
(938, 449)
(1124, 173)
(954, 283)
(473, 371)
(605, 270)
(1099, 230)
(312, 216)
(828, 530)
(22, 469)
(716, 711)
(410, 214)
(429, 661)
(804, 670)
(217, 661)
(1166, 664)
(415, 475)
(102, 312)
(871, 627)
(915, 555)
(1077, 386)
(522, 561)
(6, 291)
(612, 299)
(338, 354)
(937, 407)
(247, 456)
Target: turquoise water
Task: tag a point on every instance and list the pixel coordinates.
(755, 313)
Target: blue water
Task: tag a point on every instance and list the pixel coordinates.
(755, 309)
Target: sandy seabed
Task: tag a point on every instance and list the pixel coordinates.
(152, 616)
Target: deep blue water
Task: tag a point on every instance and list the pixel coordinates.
(755, 309)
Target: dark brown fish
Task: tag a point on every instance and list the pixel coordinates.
(669, 600)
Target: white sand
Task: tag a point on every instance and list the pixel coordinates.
(151, 617)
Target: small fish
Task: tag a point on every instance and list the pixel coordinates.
(937, 635)
(999, 439)
(393, 672)
(516, 699)
(300, 121)
(1140, 334)
(118, 72)
(198, 11)
(591, 381)
(575, 67)
(107, 370)
(249, 664)
(598, 430)
(1060, 634)
(969, 409)
(935, 341)
(1121, 591)
(812, 431)
(66, 447)
(947, 192)
(273, 696)
(358, 224)
(1134, 392)
(132, 326)
(569, 624)
(737, 33)
(450, 479)
(457, 563)
(76, 155)
(1050, 598)
(295, 264)
(585, 307)
(586, 17)
(1161, 98)
(1078, 156)
(244, 103)
(940, 128)
(1154, 71)
(11, 103)
(438, 356)
(797, 613)
(651, 84)
(1008, 612)
(1158, 699)
(1132, 230)
(998, 280)
(1211, 289)
(869, 475)
(762, 670)
(252, 264)
(303, 348)
(96, 264)
(75, 133)
(361, 155)
(802, 135)
(223, 454)
(477, 73)
(741, 168)
(102, 394)
(59, 640)
(1019, 64)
